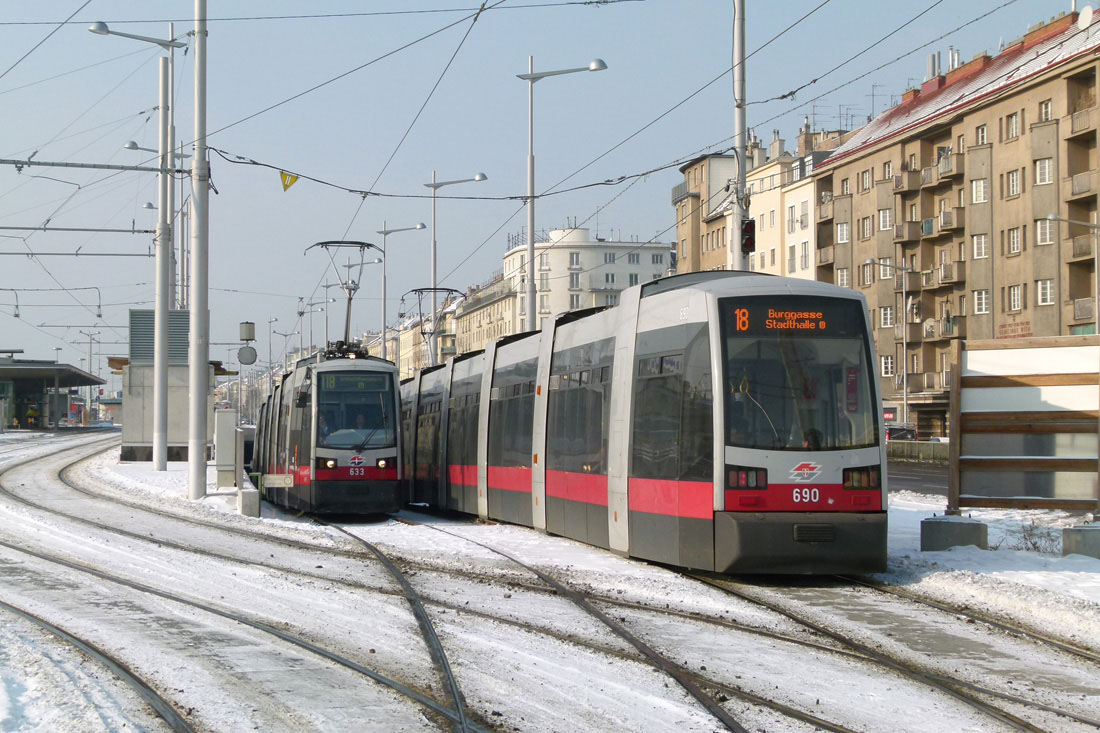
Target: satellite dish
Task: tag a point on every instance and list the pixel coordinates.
(246, 355)
(1084, 20)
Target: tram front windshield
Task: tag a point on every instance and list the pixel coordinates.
(355, 410)
(798, 373)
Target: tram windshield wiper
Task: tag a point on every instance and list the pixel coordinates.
(366, 440)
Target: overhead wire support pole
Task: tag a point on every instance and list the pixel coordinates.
(199, 347)
(163, 287)
(735, 258)
(79, 229)
(21, 164)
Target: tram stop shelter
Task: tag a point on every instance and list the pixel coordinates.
(37, 395)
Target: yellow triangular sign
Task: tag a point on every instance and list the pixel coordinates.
(288, 179)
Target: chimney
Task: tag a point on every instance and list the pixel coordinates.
(777, 145)
(805, 138)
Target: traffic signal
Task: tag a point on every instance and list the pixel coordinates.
(748, 235)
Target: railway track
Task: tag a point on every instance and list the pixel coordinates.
(968, 692)
(442, 710)
(717, 689)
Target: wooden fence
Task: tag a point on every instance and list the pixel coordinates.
(1024, 424)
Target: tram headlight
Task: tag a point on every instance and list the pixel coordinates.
(865, 478)
(382, 462)
(326, 463)
(747, 477)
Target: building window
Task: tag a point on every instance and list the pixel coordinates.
(1014, 297)
(544, 261)
(574, 302)
(887, 170)
(611, 299)
(865, 180)
(544, 281)
(544, 302)
(790, 258)
(1044, 111)
(845, 187)
(772, 258)
(842, 278)
(658, 259)
(609, 257)
(979, 135)
(1044, 171)
(609, 278)
(887, 361)
(574, 281)
(866, 274)
(981, 246)
(885, 219)
(633, 258)
(866, 227)
(805, 255)
(1012, 126)
(574, 259)
(1044, 231)
(981, 302)
(1044, 292)
(842, 233)
(790, 219)
(633, 277)
(885, 268)
(886, 316)
(1013, 183)
(771, 218)
(1014, 241)
(979, 190)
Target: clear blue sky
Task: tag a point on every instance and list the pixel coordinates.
(78, 97)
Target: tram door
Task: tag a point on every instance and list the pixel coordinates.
(425, 485)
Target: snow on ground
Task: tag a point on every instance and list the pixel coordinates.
(1022, 577)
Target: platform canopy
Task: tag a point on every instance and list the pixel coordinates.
(30, 372)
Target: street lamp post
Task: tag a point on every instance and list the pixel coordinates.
(904, 334)
(531, 77)
(286, 339)
(163, 241)
(435, 186)
(385, 232)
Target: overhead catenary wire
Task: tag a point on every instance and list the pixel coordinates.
(36, 46)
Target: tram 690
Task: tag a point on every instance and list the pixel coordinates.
(723, 421)
(327, 436)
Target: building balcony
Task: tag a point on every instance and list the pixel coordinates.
(907, 181)
(804, 221)
(825, 255)
(825, 210)
(908, 332)
(951, 166)
(951, 273)
(929, 176)
(945, 328)
(1082, 246)
(919, 382)
(951, 219)
(1079, 185)
(680, 192)
(908, 281)
(908, 231)
(1080, 122)
(1083, 309)
(928, 280)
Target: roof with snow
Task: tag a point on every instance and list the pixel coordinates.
(1039, 51)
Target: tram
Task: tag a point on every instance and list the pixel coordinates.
(725, 421)
(327, 440)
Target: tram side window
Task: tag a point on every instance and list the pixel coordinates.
(673, 431)
(510, 426)
(577, 417)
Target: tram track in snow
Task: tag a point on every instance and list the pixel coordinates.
(459, 719)
(966, 691)
(544, 587)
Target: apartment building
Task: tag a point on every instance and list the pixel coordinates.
(702, 230)
(937, 210)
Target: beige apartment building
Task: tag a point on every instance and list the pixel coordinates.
(937, 210)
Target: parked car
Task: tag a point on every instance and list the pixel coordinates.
(901, 432)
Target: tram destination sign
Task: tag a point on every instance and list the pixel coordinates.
(763, 316)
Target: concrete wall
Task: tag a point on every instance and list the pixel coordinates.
(137, 412)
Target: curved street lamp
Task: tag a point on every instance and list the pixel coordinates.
(386, 232)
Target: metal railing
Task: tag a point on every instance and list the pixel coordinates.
(929, 175)
(1079, 121)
